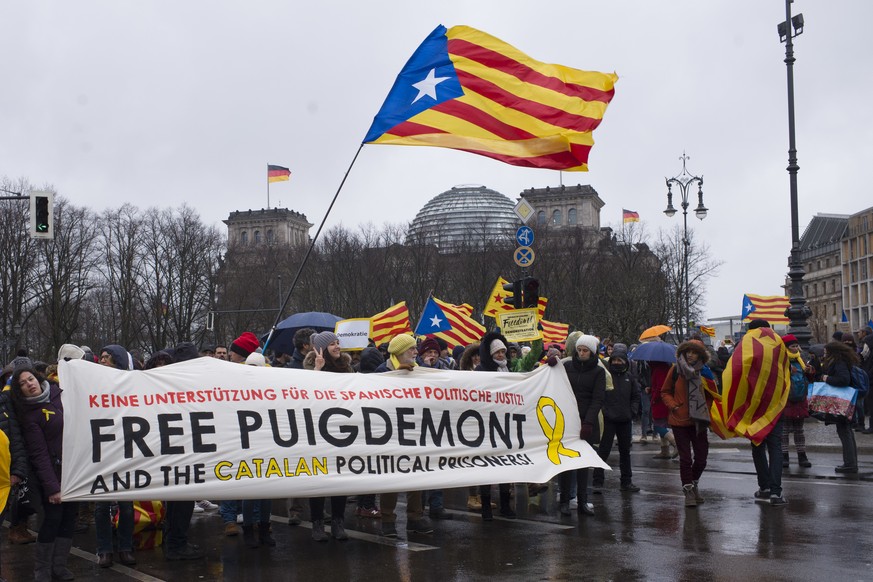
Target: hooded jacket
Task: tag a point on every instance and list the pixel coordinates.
(42, 425)
(674, 392)
(486, 360)
(622, 403)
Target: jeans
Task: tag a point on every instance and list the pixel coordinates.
(414, 511)
(176, 523)
(435, 499)
(59, 521)
(580, 476)
(228, 510)
(624, 432)
(847, 438)
(693, 448)
(103, 526)
(256, 510)
(770, 472)
(646, 415)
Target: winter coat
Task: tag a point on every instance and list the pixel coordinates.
(371, 359)
(120, 357)
(296, 360)
(622, 403)
(466, 361)
(343, 365)
(674, 390)
(9, 425)
(658, 371)
(838, 374)
(42, 425)
(588, 381)
(486, 361)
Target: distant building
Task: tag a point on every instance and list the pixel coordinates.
(822, 283)
(856, 253)
(273, 226)
(568, 207)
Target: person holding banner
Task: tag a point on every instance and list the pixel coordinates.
(588, 381)
(837, 371)
(41, 415)
(326, 356)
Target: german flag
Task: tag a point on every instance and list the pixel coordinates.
(464, 89)
(278, 174)
(629, 216)
(393, 321)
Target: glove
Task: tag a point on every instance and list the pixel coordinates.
(408, 367)
(552, 361)
(587, 430)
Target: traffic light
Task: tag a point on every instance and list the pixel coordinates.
(514, 298)
(531, 292)
(42, 215)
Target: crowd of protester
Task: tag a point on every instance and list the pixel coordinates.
(671, 403)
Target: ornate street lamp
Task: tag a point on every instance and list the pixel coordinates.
(798, 312)
(683, 181)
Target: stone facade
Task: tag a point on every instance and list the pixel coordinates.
(566, 207)
(856, 253)
(273, 226)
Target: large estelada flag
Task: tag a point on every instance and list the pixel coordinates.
(465, 330)
(770, 308)
(755, 385)
(496, 301)
(467, 90)
(278, 174)
(391, 322)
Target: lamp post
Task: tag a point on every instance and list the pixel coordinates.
(683, 181)
(798, 312)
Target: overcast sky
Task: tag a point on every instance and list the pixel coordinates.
(160, 102)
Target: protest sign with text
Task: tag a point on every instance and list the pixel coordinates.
(519, 325)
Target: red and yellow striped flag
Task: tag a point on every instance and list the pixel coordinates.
(465, 330)
(467, 90)
(391, 322)
(704, 329)
(770, 308)
(629, 216)
(554, 333)
(278, 174)
(495, 303)
(755, 385)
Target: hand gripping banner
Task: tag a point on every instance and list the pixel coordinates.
(208, 429)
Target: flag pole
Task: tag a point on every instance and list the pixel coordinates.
(309, 250)
(268, 186)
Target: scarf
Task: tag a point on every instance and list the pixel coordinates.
(502, 366)
(698, 408)
(796, 359)
(42, 398)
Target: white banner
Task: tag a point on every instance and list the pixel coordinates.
(354, 334)
(209, 429)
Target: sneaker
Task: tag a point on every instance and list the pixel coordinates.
(294, 519)
(368, 512)
(574, 504)
(186, 552)
(629, 487)
(845, 469)
(762, 495)
(778, 500)
(421, 526)
(198, 509)
(205, 505)
(389, 530)
(239, 518)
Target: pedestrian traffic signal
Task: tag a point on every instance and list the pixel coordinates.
(41, 215)
(514, 298)
(530, 292)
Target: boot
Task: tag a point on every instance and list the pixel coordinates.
(265, 536)
(802, 460)
(18, 534)
(487, 514)
(697, 496)
(318, 534)
(249, 536)
(338, 529)
(474, 503)
(671, 439)
(42, 567)
(665, 449)
(785, 460)
(59, 559)
(505, 510)
(690, 500)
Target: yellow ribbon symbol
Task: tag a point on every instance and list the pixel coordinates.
(47, 413)
(553, 433)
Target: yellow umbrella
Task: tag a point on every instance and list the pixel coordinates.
(655, 331)
(5, 463)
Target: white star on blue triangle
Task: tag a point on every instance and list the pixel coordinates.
(433, 320)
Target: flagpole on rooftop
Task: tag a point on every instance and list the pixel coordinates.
(268, 186)
(309, 250)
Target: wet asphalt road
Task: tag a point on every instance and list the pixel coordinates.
(824, 533)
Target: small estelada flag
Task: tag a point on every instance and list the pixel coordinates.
(278, 174)
(629, 216)
(433, 320)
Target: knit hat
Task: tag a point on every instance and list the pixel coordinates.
(21, 363)
(429, 343)
(400, 344)
(589, 341)
(185, 351)
(256, 359)
(756, 323)
(619, 349)
(495, 346)
(245, 344)
(320, 341)
(789, 338)
(70, 352)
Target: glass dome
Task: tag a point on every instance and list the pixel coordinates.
(467, 216)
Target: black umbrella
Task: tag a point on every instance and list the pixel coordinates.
(283, 337)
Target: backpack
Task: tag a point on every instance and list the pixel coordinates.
(860, 381)
(799, 385)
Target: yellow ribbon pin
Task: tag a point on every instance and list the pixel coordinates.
(48, 413)
(554, 433)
